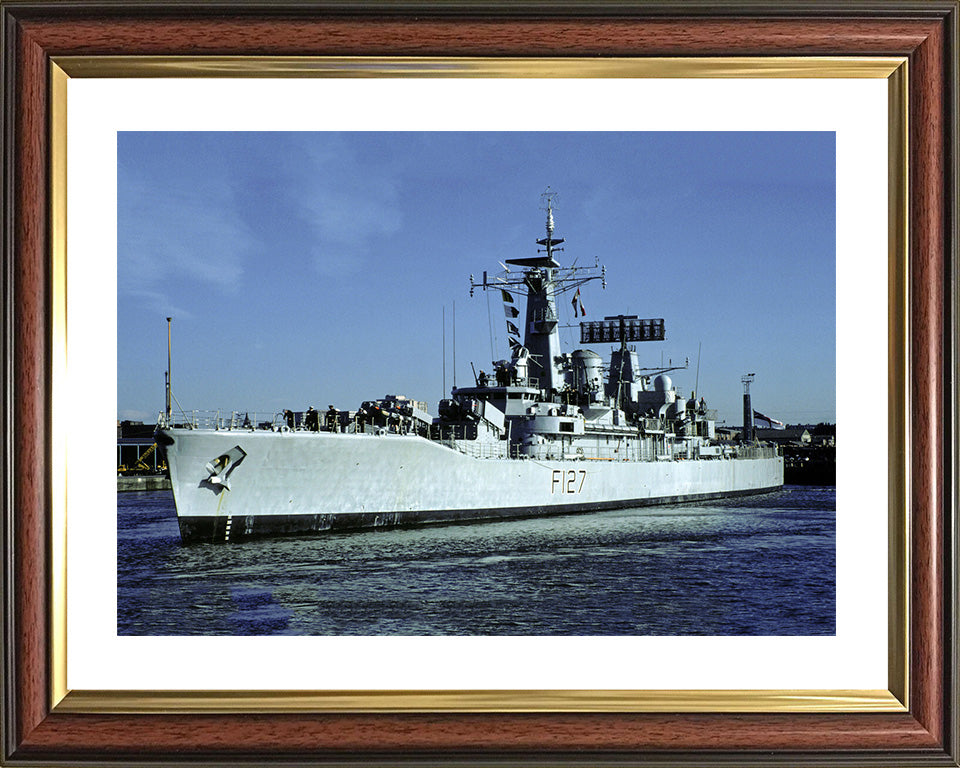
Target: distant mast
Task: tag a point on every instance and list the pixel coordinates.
(747, 380)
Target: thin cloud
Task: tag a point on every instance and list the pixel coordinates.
(351, 204)
(158, 303)
(134, 415)
(172, 233)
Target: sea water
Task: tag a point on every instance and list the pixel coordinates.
(760, 565)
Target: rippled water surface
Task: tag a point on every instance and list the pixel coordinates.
(763, 565)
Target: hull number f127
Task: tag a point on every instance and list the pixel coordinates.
(567, 481)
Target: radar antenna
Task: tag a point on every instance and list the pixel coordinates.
(549, 199)
(513, 280)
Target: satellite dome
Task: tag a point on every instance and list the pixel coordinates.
(662, 383)
(587, 354)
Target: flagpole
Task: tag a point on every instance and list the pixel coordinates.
(443, 345)
(493, 353)
(696, 386)
(169, 387)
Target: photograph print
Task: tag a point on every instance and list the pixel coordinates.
(476, 383)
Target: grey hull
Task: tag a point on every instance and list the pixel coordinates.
(302, 483)
(212, 529)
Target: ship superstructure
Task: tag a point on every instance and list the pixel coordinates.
(546, 432)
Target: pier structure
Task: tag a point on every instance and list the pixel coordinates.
(140, 467)
(137, 454)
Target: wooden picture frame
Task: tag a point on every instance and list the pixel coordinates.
(37, 730)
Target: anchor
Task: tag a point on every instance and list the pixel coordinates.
(220, 468)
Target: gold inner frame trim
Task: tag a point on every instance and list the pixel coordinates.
(898, 415)
(58, 372)
(893, 69)
(426, 66)
(132, 702)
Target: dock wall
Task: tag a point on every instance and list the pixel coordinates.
(143, 483)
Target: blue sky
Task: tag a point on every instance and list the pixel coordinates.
(314, 268)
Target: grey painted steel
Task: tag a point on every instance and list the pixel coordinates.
(380, 480)
(216, 529)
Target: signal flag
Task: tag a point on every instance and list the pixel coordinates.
(771, 423)
(578, 304)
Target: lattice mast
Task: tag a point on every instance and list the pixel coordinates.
(542, 279)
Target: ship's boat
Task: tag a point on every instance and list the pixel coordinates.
(547, 432)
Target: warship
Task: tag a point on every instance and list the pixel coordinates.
(547, 432)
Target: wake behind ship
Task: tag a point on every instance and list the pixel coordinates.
(547, 432)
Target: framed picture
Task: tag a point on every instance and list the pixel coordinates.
(248, 711)
(497, 584)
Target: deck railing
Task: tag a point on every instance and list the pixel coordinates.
(463, 439)
(224, 420)
(757, 452)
